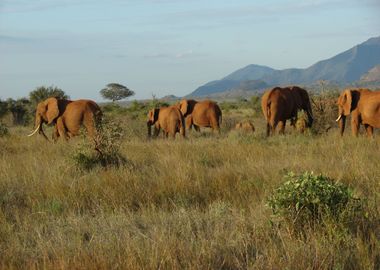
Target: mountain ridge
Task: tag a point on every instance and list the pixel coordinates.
(344, 68)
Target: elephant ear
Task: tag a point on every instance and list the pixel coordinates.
(153, 115)
(183, 106)
(52, 111)
(347, 102)
(156, 113)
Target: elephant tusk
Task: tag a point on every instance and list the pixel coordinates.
(34, 132)
(340, 116)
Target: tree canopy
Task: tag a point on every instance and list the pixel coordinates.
(3, 108)
(19, 110)
(42, 92)
(115, 91)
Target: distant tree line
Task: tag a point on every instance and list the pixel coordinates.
(22, 110)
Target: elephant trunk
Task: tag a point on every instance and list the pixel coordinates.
(342, 123)
(38, 127)
(309, 118)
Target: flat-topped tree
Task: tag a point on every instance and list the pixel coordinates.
(116, 92)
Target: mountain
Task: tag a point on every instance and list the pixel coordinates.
(232, 81)
(373, 75)
(345, 68)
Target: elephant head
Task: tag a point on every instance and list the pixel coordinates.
(186, 106)
(152, 119)
(347, 102)
(47, 111)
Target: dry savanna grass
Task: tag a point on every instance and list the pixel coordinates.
(199, 203)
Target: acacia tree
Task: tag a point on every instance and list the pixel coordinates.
(115, 92)
(42, 92)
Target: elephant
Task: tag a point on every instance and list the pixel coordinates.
(280, 104)
(204, 113)
(67, 117)
(364, 107)
(245, 126)
(169, 119)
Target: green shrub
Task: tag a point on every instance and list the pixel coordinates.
(3, 130)
(114, 108)
(325, 111)
(226, 106)
(105, 152)
(307, 198)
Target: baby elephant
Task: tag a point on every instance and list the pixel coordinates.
(245, 126)
(169, 119)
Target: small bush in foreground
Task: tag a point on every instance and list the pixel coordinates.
(307, 198)
(107, 148)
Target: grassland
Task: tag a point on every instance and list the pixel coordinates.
(198, 203)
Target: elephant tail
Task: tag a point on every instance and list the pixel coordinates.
(182, 128)
(219, 115)
(268, 111)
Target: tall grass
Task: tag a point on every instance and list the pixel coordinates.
(197, 203)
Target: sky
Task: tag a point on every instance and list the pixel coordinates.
(162, 47)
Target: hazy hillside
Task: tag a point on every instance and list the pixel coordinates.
(372, 76)
(346, 67)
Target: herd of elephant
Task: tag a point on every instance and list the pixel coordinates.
(278, 106)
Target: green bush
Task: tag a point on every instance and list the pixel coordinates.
(325, 111)
(105, 152)
(114, 108)
(307, 198)
(3, 130)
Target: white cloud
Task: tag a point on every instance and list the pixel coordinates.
(180, 55)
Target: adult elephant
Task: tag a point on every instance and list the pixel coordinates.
(169, 119)
(67, 116)
(280, 104)
(364, 107)
(204, 113)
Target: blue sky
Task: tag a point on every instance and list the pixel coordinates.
(167, 46)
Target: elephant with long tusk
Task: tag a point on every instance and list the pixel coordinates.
(364, 107)
(67, 117)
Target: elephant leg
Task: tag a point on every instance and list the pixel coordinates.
(89, 123)
(355, 125)
(281, 127)
(215, 124)
(55, 134)
(293, 122)
(369, 130)
(268, 129)
(91, 130)
(182, 131)
(156, 131)
(61, 128)
(189, 122)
